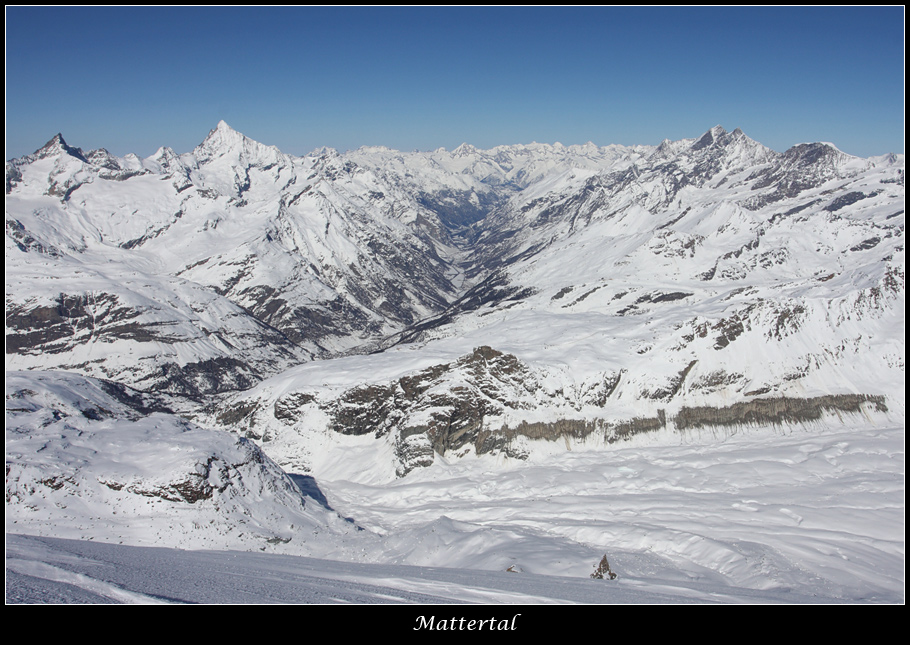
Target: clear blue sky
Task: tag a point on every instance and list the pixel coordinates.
(133, 79)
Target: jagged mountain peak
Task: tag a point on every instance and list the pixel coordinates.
(224, 131)
(166, 161)
(719, 137)
(742, 138)
(164, 154)
(464, 150)
(57, 141)
(104, 159)
(326, 152)
(57, 146)
(709, 138)
(669, 148)
(716, 146)
(821, 157)
(225, 141)
(220, 137)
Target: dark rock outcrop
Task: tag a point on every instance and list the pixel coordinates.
(776, 411)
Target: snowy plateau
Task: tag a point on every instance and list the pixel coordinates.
(237, 375)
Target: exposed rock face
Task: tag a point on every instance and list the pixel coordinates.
(445, 409)
(441, 409)
(286, 407)
(489, 402)
(105, 321)
(777, 411)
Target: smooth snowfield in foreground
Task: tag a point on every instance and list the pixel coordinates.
(49, 570)
(807, 514)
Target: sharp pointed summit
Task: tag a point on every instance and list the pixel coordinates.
(464, 150)
(219, 140)
(226, 142)
(709, 138)
(56, 146)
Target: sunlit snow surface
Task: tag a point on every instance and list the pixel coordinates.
(49, 570)
(814, 511)
(807, 515)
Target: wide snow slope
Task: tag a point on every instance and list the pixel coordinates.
(48, 570)
(816, 518)
(87, 460)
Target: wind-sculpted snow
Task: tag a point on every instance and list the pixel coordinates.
(782, 517)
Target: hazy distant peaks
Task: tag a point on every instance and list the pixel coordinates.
(223, 141)
(464, 149)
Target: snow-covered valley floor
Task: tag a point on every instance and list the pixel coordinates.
(810, 514)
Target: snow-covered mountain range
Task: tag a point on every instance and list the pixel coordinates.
(444, 302)
(361, 317)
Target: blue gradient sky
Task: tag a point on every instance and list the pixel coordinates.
(133, 79)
